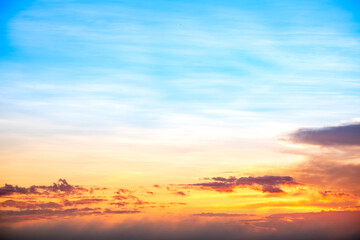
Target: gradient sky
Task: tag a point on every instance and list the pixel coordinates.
(194, 109)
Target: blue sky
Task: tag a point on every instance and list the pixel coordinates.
(175, 72)
(161, 119)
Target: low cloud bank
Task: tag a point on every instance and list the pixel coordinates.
(322, 225)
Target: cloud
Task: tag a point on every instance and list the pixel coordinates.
(93, 189)
(62, 186)
(334, 194)
(125, 194)
(9, 189)
(126, 197)
(180, 193)
(177, 203)
(120, 204)
(30, 214)
(329, 174)
(269, 184)
(121, 211)
(322, 225)
(343, 135)
(335, 165)
(83, 201)
(47, 213)
(210, 214)
(30, 205)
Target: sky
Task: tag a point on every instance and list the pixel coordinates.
(179, 119)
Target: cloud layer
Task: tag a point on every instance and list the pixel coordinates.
(324, 225)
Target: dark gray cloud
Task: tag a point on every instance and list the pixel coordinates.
(344, 135)
(63, 186)
(9, 189)
(269, 184)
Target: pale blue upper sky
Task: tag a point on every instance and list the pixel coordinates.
(203, 69)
